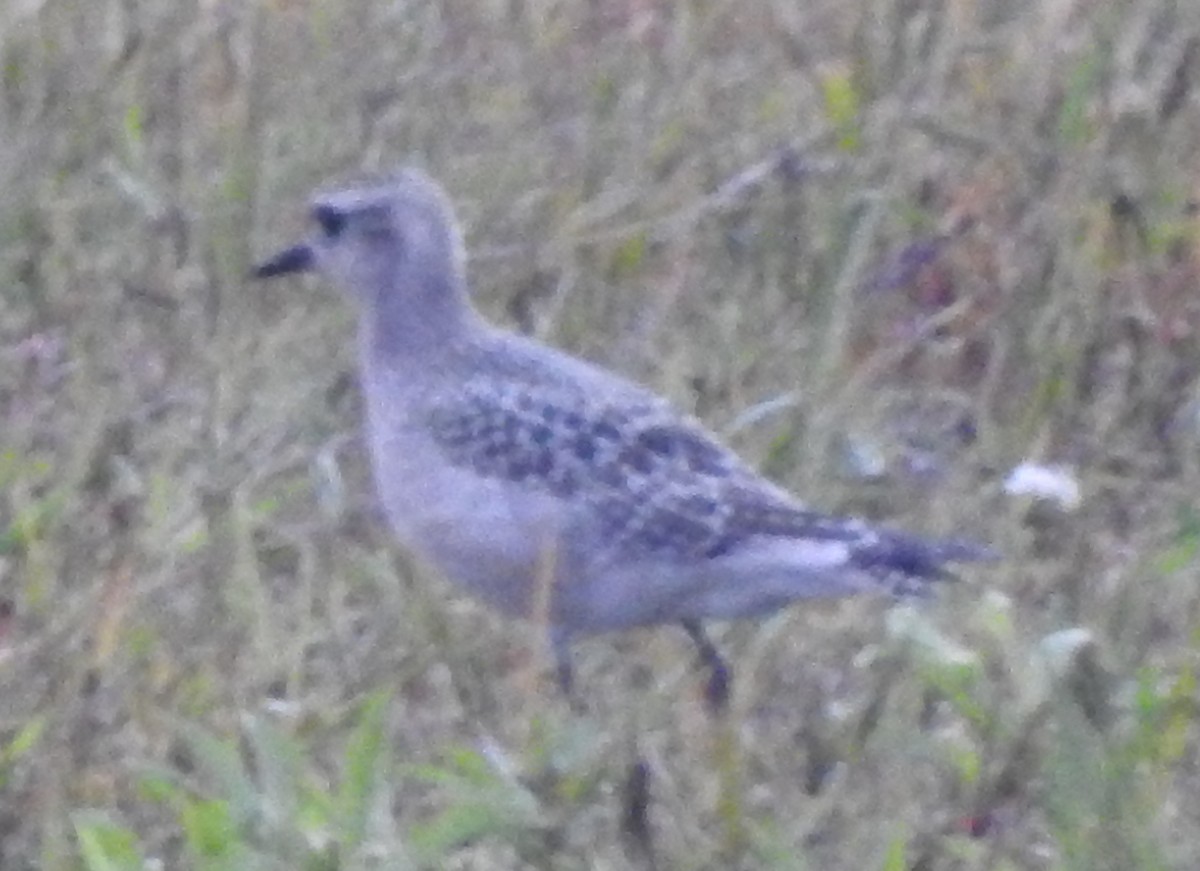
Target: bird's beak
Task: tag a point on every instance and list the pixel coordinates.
(298, 258)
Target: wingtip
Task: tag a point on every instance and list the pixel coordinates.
(910, 565)
(966, 551)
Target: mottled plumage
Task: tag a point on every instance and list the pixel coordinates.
(500, 460)
(658, 483)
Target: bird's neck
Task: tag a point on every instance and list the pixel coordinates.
(417, 323)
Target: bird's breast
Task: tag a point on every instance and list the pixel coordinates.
(493, 538)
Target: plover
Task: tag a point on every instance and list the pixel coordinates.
(550, 487)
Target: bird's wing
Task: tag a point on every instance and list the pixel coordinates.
(654, 480)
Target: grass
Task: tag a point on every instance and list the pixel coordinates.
(892, 249)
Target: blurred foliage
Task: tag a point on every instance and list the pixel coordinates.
(267, 811)
(893, 249)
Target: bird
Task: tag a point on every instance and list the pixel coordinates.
(550, 487)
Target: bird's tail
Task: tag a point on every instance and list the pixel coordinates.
(906, 565)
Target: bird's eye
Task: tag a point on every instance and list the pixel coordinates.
(332, 220)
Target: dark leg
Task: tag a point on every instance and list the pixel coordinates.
(636, 814)
(719, 677)
(560, 646)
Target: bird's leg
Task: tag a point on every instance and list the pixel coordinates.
(560, 647)
(716, 694)
(731, 799)
(635, 823)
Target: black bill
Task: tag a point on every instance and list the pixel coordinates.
(298, 258)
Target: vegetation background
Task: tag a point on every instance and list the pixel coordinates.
(891, 248)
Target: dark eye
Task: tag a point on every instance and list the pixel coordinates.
(332, 220)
